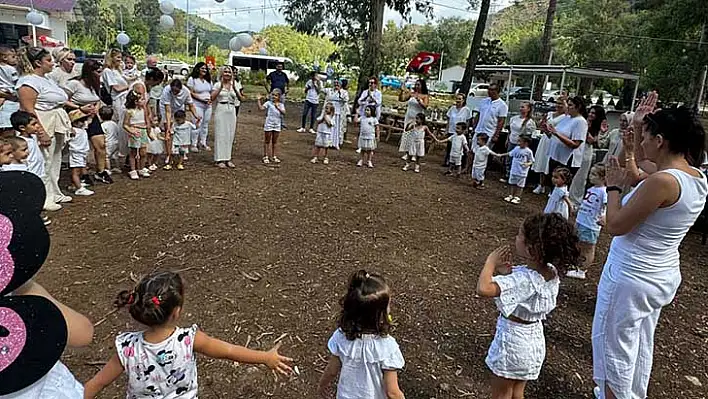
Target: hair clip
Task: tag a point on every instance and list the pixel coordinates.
(367, 275)
(155, 300)
(131, 299)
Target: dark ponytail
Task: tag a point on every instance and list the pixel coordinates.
(683, 131)
(154, 299)
(365, 306)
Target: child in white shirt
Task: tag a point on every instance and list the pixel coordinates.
(181, 138)
(27, 125)
(275, 112)
(112, 131)
(458, 148)
(559, 200)
(479, 164)
(8, 79)
(364, 356)
(590, 219)
(369, 133)
(18, 157)
(324, 134)
(522, 159)
(156, 146)
(78, 151)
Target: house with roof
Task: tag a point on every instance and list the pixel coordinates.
(53, 31)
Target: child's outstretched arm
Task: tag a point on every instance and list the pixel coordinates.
(218, 349)
(109, 373)
(260, 103)
(499, 260)
(390, 382)
(324, 390)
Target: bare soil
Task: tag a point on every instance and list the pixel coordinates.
(301, 230)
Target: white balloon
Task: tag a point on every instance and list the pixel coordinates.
(35, 18)
(123, 38)
(167, 7)
(263, 51)
(246, 39)
(235, 43)
(166, 22)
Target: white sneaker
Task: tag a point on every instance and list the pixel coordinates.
(508, 198)
(406, 167)
(417, 169)
(578, 274)
(301, 130)
(62, 199)
(360, 163)
(152, 168)
(108, 172)
(144, 172)
(51, 207)
(516, 200)
(325, 161)
(194, 149)
(502, 180)
(266, 161)
(539, 189)
(313, 160)
(276, 160)
(133, 175)
(313, 131)
(404, 157)
(358, 150)
(84, 192)
(369, 164)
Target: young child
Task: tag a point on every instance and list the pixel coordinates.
(559, 200)
(156, 146)
(364, 356)
(590, 219)
(18, 156)
(8, 79)
(181, 140)
(479, 164)
(135, 123)
(5, 152)
(275, 112)
(324, 134)
(78, 152)
(161, 361)
(458, 149)
(524, 295)
(130, 70)
(27, 125)
(416, 149)
(112, 131)
(369, 134)
(522, 159)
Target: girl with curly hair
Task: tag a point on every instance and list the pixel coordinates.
(364, 355)
(524, 295)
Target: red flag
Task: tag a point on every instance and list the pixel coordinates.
(422, 62)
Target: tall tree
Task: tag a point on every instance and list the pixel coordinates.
(450, 36)
(149, 12)
(546, 45)
(475, 46)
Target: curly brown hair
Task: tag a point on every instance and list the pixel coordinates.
(154, 299)
(552, 239)
(365, 306)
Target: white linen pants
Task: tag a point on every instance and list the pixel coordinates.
(52, 167)
(626, 314)
(577, 188)
(199, 136)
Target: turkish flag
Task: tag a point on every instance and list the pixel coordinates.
(422, 62)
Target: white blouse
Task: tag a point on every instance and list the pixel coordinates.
(526, 294)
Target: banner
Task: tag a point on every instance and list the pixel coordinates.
(422, 62)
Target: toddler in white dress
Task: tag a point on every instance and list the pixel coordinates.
(524, 295)
(559, 201)
(364, 356)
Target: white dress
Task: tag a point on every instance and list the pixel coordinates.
(541, 163)
(367, 133)
(224, 123)
(413, 109)
(416, 142)
(340, 100)
(556, 204)
(59, 383)
(518, 350)
(363, 362)
(325, 133)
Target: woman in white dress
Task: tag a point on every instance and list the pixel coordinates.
(540, 165)
(226, 97)
(200, 87)
(417, 100)
(112, 79)
(339, 98)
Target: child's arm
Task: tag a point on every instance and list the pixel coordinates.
(390, 382)
(260, 103)
(109, 373)
(280, 107)
(126, 124)
(328, 120)
(324, 390)
(499, 260)
(378, 132)
(566, 199)
(218, 349)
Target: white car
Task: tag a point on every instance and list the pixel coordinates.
(175, 66)
(550, 95)
(479, 90)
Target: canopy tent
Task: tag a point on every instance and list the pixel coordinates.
(559, 70)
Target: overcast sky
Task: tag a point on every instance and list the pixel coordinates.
(249, 14)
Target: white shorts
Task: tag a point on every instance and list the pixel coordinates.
(517, 351)
(478, 174)
(518, 181)
(77, 159)
(457, 161)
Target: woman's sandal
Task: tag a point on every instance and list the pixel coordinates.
(230, 164)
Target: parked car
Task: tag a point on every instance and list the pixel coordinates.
(479, 90)
(391, 82)
(175, 66)
(550, 95)
(518, 93)
(604, 95)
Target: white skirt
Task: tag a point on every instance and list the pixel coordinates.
(366, 144)
(405, 141)
(540, 165)
(156, 147)
(324, 140)
(517, 351)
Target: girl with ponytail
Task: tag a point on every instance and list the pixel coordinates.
(364, 355)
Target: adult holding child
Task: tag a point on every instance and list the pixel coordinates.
(458, 113)
(175, 97)
(226, 97)
(568, 138)
(41, 96)
(642, 272)
(200, 87)
(416, 103)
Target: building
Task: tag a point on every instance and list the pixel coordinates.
(54, 30)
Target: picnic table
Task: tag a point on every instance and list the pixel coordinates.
(392, 122)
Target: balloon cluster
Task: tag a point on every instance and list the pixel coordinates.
(240, 41)
(166, 20)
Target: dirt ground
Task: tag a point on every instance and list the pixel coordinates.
(300, 230)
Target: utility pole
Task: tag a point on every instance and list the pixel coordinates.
(186, 24)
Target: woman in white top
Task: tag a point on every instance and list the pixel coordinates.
(66, 60)
(541, 162)
(339, 98)
(417, 102)
(370, 96)
(597, 124)
(522, 124)
(112, 79)
(226, 97)
(642, 272)
(568, 138)
(199, 85)
(456, 114)
(41, 96)
(175, 97)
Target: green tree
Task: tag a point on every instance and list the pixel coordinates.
(284, 41)
(449, 36)
(475, 46)
(398, 45)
